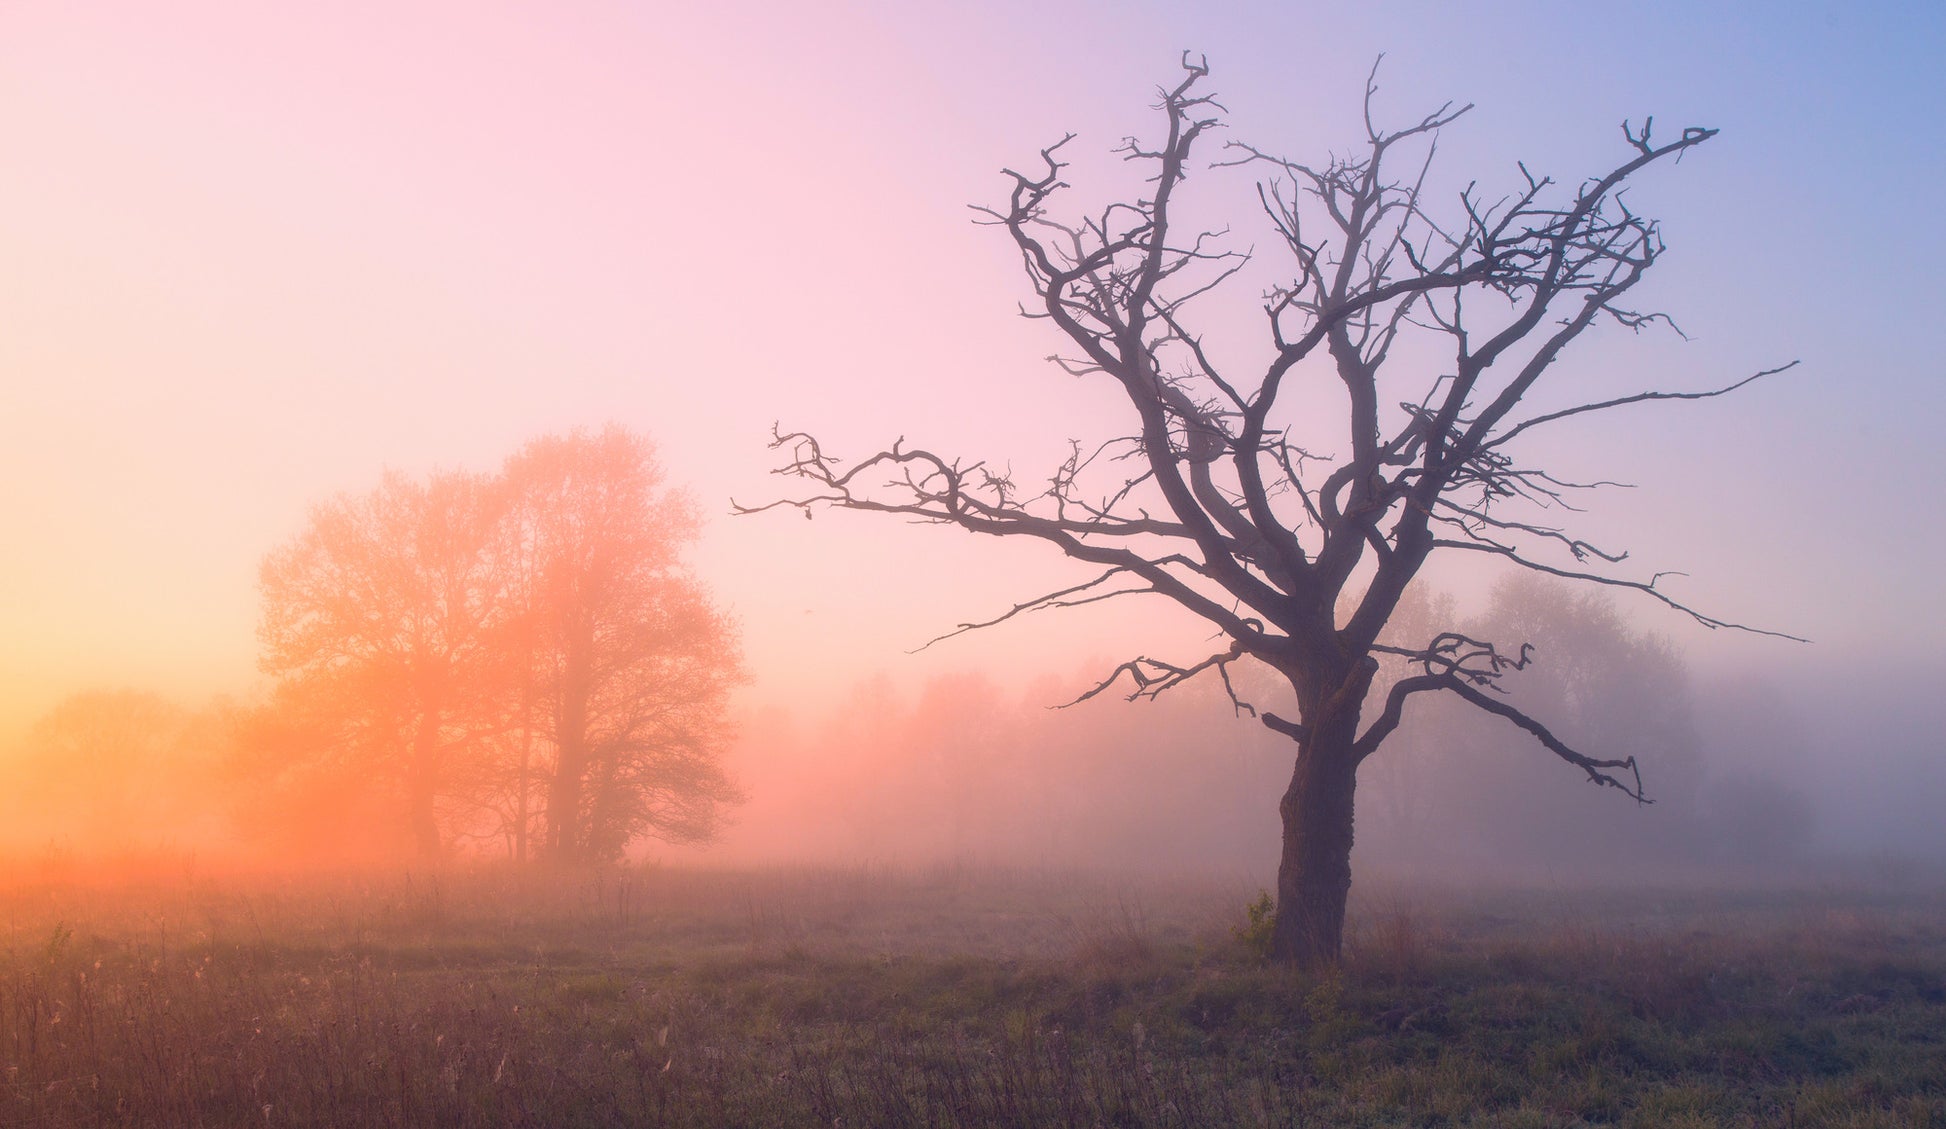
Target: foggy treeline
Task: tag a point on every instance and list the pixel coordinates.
(114, 771)
(966, 768)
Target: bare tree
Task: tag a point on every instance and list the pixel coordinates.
(1227, 513)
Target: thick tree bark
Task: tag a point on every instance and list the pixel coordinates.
(1314, 874)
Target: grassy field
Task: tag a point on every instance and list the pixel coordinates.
(956, 997)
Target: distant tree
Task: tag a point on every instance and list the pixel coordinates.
(629, 668)
(377, 621)
(1757, 820)
(1605, 688)
(1454, 783)
(501, 656)
(1263, 530)
(1756, 807)
(103, 768)
(960, 770)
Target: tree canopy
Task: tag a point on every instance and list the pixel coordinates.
(519, 659)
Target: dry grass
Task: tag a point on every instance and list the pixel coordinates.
(955, 997)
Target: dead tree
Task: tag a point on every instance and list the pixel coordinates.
(1297, 545)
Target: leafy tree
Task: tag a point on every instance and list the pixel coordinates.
(629, 667)
(494, 654)
(1243, 506)
(377, 621)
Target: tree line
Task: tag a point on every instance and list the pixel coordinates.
(964, 768)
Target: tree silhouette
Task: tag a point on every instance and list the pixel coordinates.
(1243, 507)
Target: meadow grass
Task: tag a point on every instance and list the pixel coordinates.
(956, 997)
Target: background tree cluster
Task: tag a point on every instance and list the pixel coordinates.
(966, 769)
(517, 661)
(119, 772)
(1459, 785)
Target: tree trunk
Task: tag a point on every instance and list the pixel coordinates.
(564, 803)
(523, 818)
(1314, 874)
(524, 785)
(567, 833)
(422, 788)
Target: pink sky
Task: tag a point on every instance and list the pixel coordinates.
(252, 254)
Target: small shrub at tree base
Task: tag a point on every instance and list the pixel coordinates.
(1259, 924)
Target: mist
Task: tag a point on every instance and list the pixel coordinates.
(1749, 774)
(1761, 776)
(243, 287)
(498, 622)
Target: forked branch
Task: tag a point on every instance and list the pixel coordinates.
(1623, 774)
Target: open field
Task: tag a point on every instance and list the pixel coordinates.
(956, 997)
